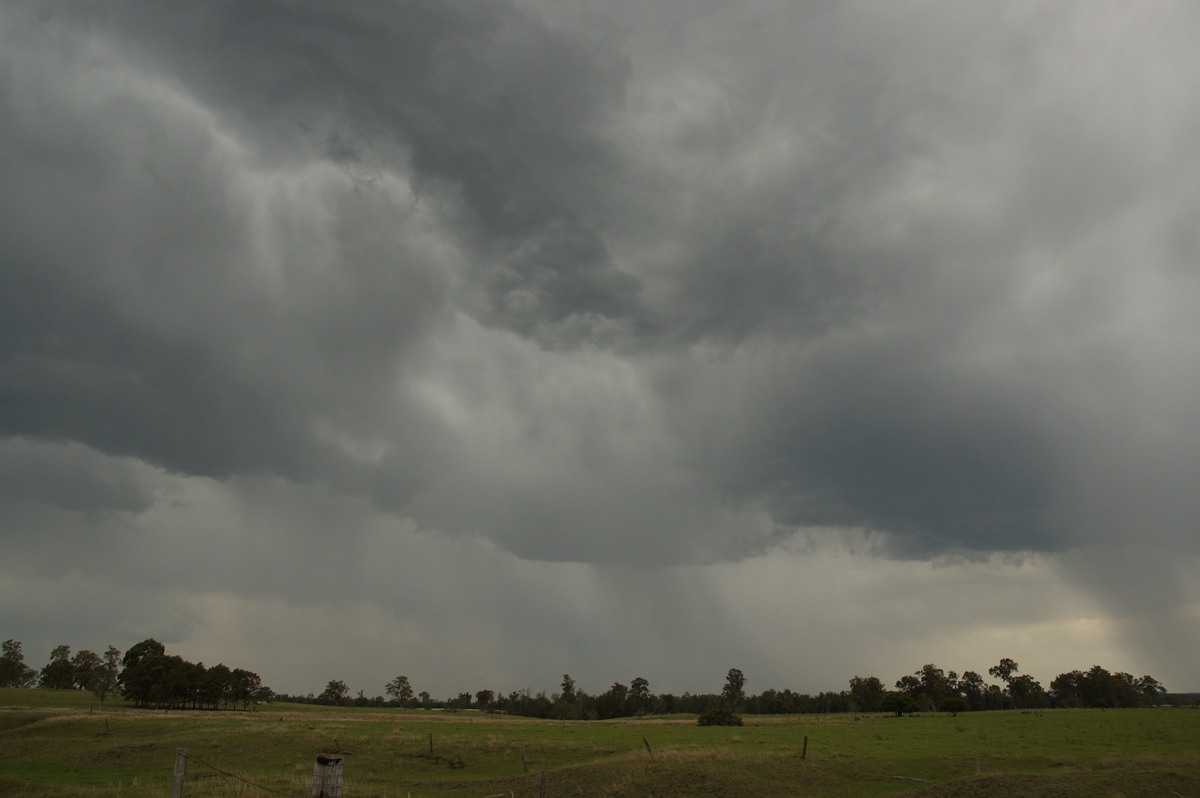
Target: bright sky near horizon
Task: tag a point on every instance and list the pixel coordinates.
(489, 342)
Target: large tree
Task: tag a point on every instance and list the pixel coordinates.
(104, 679)
(734, 692)
(866, 693)
(13, 670)
(247, 688)
(335, 692)
(85, 666)
(58, 673)
(400, 690)
(639, 695)
(144, 672)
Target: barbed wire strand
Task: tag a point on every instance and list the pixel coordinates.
(201, 762)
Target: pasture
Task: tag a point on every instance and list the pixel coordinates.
(61, 744)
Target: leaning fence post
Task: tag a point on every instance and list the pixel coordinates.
(327, 776)
(180, 772)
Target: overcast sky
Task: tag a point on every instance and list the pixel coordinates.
(487, 342)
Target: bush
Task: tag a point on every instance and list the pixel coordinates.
(900, 703)
(719, 717)
(954, 705)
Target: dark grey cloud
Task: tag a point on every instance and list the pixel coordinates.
(596, 283)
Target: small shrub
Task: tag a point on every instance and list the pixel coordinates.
(900, 703)
(719, 717)
(954, 705)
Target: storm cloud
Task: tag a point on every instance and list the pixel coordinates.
(535, 317)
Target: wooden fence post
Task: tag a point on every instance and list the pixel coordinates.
(327, 776)
(180, 772)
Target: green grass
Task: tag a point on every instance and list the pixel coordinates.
(61, 744)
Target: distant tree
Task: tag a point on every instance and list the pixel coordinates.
(971, 686)
(483, 698)
(105, 679)
(929, 686)
(567, 706)
(58, 673)
(1098, 688)
(218, 686)
(909, 685)
(13, 670)
(866, 693)
(898, 702)
(85, 666)
(400, 690)
(938, 685)
(247, 688)
(1151, 689)
(426, 699)
(144, 672)
(335, 692)
(1026, 692)
(1004, 669)
(734, 692)
(954, 705)
(611, 704)
(639, 695)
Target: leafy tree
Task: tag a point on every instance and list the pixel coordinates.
(335, 692)
(909, 685)
(1004, 669)
(247, 688)
(140, 651)
(13, 670)
(104, 679)
(58, 673)
(1026, 692)
(734, 692)
(639, 695)
(567, 707)
(971, 686)
(426, 699)
(400, 690)
(898, 702)
(85, 665)
(954, 705)
(1151, 689)
(1098, 688)
(483, 698)
(929, 686)
(143, 672)
(217, 689)
(866, 693)
(612, 703)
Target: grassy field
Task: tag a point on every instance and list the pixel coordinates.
(60, 744)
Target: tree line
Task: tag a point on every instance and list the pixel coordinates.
(930, 689)
(145, 675)
(149, 677)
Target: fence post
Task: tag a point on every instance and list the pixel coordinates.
(327, 776)
(180, 772)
